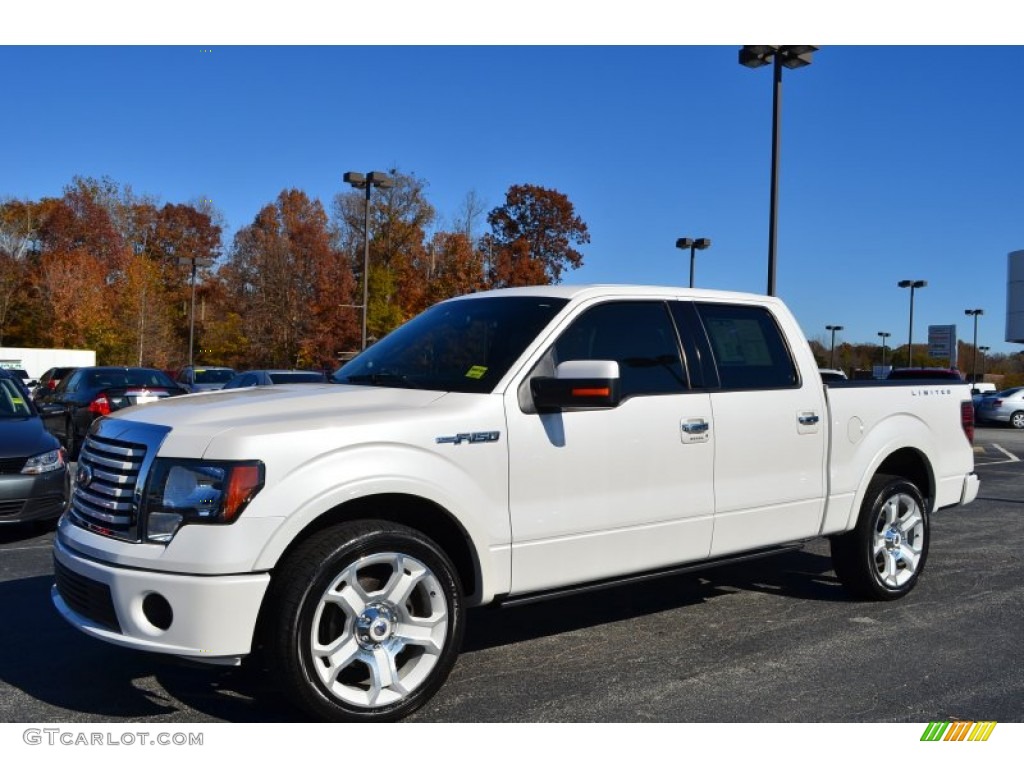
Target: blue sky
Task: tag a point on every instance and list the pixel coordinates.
(897, 161)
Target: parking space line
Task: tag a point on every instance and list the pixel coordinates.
(1005, 452)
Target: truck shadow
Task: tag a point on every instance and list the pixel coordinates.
(799, 575)
(74, 678)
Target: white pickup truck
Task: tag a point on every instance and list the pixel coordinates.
(501, 447)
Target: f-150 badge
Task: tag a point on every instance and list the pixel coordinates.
(469, 437)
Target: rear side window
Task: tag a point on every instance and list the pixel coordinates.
(749, 348)
(639, 335)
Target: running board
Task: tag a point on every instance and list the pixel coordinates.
(506, 601)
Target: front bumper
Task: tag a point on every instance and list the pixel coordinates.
(24, 498)
(211, 618)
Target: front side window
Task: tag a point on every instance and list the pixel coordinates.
(749, 348)
(638, 335)
(466, 345)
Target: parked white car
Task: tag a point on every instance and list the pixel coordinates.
(504, 447)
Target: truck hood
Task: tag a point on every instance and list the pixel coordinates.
(195, 420)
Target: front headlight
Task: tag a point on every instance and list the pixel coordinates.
(51, 461)
(182, 492)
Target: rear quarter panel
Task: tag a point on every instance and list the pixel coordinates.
(870, 421)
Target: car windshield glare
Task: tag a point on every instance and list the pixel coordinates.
(13, 404)
(465, 345)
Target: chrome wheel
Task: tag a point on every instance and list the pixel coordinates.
(363, 621)
(883, 556)
(898, 540)
(1017, 420)
(379, 630)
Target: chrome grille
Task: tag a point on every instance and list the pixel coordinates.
(108, 474)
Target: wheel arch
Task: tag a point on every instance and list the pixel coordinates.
(911, 464)
(417, 512)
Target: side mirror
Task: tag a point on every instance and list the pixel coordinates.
(578, 384)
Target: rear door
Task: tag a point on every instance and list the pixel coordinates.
(770, 431)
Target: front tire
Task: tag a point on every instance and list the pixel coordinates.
(883, 557)
(366, 621)
(1017, 420)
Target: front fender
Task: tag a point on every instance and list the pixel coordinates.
(472, 489)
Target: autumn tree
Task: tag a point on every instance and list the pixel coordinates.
(532, 237)
(400, 217)
(17, 238)
(291, 286)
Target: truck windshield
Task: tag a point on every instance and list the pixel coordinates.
(465, 345)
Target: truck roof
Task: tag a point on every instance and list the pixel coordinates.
(585, 291)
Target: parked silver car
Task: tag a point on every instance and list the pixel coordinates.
(1006, 406)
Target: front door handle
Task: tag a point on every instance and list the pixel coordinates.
(694, 431)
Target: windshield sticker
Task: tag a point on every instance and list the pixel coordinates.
(476, 372)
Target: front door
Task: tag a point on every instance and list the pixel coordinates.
(596, 493)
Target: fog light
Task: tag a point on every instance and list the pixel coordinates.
(157, 611)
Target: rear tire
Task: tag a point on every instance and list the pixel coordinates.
(365, 621)
(883, 557)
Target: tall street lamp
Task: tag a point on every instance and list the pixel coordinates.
(974, 361)
(984, 351)
(832, 354)
(912, 285)
(367, 182)
(694, 245)
(195, 262)
(791, 57)
(885, 335)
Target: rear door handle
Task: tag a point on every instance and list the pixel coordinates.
(808, 419)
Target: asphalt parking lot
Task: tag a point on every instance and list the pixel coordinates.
(774, 640)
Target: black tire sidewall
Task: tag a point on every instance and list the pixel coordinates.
(352, 543)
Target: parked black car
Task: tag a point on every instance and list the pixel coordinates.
(34, 480)
(89, 393)
(49, 380)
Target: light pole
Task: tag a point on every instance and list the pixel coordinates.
(974, 361)
(912, 285)
(832, 354)
(984, 351)
(885, 335)
(791, 57)
(694, 245)
(194, 261)
(367, 182)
